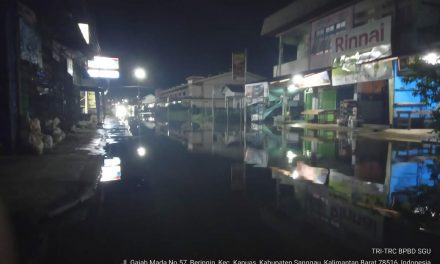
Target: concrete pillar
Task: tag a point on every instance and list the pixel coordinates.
(285, 105)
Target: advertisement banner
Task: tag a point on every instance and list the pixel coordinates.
(362, 44)
(238, 66)
(312, 80)
(91, 100)
(356, 73)
(256, 92)
(30, 44)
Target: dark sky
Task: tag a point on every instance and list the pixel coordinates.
(174, 39)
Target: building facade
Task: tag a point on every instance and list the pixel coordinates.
(347, 58)
(202, 92)
(43, 67)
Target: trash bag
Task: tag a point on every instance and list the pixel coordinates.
(35, 140)
(83, 124)
(74, 129)
(58, 135)
(56, 122)
(93, 119)
(34, 125)
(48, 124)
(48, 142)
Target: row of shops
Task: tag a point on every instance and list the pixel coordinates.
(357, 75)
(44, 75)
(378, 99)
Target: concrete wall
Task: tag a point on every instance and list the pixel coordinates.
(323, 60)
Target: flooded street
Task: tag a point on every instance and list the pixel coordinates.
(220, 132)
(206, 194)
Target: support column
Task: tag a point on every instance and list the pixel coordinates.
(9, 76)
(98, 106)
(284, 105)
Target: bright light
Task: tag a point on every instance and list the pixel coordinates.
(294, 174)
(290, 156)
(297, 79)
(103, 63)
(151, 119)
(291, 88)
(110, 74)
(431, 58)
(121, 111)
(112, 162)
(85, 31)
(375, 53)
(151, 106)
(111, 171)
(140, 73)
(141, 151)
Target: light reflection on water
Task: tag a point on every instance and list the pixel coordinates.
(347, 184)
(111, 171)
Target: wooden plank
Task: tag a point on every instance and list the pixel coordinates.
(312, 112)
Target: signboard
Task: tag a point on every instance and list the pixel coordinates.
(103, 67)
(91, 99)
(69, 66)
(238, 66)
(256, 92)
(103, 63)
(312, 80)
(362, 44)
(256, 157)
(109, 74)
(355, 73)
(30, 44)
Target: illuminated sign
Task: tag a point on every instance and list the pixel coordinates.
(103, 63)
(310, 80)
(103, 67)
(110, 74)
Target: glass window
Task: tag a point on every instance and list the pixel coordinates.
(322, 42)
(329, 29)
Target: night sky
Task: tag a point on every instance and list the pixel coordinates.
(174, 39)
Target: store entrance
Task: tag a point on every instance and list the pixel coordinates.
(373, 102)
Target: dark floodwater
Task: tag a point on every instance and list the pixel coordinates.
(204, 192)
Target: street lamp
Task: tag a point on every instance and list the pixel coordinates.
(140, 74)
(141, 151)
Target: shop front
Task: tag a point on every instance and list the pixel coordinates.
(319, 97)
(362, 74)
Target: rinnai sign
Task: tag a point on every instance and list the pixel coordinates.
(362, 38)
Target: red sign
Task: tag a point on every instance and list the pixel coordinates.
(238, 66)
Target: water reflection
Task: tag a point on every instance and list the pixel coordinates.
(350, 187)
(111, 171)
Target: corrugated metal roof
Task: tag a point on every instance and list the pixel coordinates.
(236, 88)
